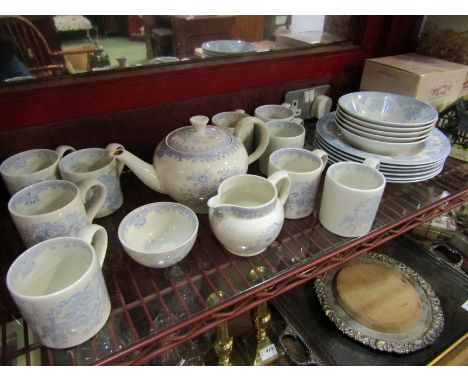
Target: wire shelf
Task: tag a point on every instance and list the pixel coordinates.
(155, 310)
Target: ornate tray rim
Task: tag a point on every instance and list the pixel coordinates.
(382, 343)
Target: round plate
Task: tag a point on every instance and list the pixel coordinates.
(388, 167)
(418, 333)
(436, 148)
(388, 109)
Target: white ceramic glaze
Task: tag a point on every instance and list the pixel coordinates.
(96, 163)
(32, 166)
(435, 149)
(388, 109)
(159, 235)
(247, 214)
(283, 134)
(228, 120)
(54, 208)
(382, 129)
(60, 290)
(351, 197)
(376, 135)
(382, 148)
(304, 168)
(281, 112)
(191, 162)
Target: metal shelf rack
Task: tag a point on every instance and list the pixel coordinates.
(155, 310)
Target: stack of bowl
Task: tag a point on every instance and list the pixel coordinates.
(218, 48)
(385, 123)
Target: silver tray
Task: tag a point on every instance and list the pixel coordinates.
(420, 335)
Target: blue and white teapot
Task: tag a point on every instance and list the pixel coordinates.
(192, 161)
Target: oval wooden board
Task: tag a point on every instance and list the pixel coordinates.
(377, 296)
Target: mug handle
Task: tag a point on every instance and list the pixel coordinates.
(285, 104)
(96, 236)
(300, 121)
(322, 155)
(283, 177)
(373, 163)
(99, 199)
(264, 136)
(117, 146)
(61, 150)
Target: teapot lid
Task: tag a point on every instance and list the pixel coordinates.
(200, 139)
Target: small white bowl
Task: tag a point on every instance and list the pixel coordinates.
(159, 235)
(388, 109)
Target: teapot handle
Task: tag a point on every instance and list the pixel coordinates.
(240, 130)
(282, 179)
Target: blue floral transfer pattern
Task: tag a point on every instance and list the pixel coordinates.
(67, 225)
(300, 202)
(362, 215)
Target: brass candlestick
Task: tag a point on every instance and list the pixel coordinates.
(223, 343)
(266, 351)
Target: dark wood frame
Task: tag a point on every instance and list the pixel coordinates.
(67, 98)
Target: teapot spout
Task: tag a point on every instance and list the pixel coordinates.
(144, 171)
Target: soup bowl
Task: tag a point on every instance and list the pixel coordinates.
(159, 235)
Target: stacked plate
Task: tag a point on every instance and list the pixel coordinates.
(422, 162)
(218, 48)
(384, 123)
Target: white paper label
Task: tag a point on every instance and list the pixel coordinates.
(465, 305)
(268, 352)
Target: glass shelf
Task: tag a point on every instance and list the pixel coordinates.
(155, 310)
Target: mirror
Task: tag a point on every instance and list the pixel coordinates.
(52, 46)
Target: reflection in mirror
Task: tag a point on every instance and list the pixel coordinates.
(60, 45)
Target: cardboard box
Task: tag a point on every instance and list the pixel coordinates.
(431, 80)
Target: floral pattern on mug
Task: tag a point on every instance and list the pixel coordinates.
(83, 311)
(362, 215)
(300, 202)
(69, 225)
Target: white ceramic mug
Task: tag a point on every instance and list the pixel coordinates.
(96, 163)
(59, 288)
(304, 168)
(351, 197)
(282, 134)
(54, 208)
(228, 120)
(31, 166)
(281, 112)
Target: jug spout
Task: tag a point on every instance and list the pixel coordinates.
(214, 202)
(144, 171)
